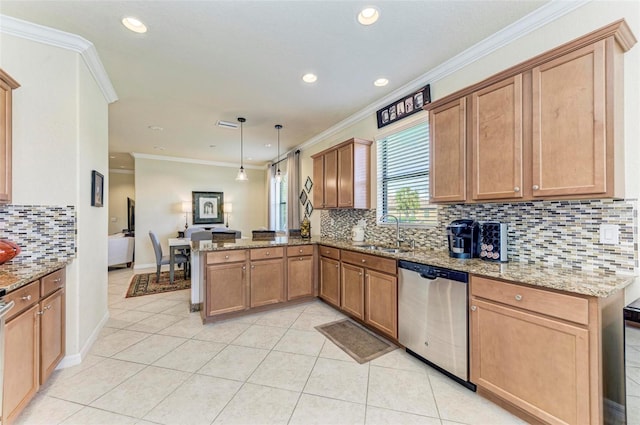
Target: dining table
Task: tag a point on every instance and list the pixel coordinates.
(175, 245)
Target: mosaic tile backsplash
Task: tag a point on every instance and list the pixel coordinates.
(557, 233)
(42, 232)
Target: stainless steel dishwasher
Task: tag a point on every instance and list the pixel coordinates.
(433, 317)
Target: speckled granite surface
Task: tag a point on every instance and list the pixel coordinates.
(563, 279)
(14, 275)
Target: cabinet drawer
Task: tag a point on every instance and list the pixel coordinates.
(296, 251)
(266, 253)
(52, 282)
(232, 256)
(566, 307)
(23, 297)
(386, 265)
(327, 251)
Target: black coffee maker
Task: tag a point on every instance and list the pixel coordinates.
(463, 236)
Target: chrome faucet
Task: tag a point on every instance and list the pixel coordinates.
(398, 240)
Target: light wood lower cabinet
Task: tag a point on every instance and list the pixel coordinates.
(381, 302)
(540, 351)
(267, 282)
(352, 290)
(34, 341)
(226, 288)
(21, 339)
(330, 280)
(300, 268)
(369, 290)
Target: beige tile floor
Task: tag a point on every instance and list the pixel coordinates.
(156, 363)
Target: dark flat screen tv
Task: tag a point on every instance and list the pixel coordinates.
(131, 215)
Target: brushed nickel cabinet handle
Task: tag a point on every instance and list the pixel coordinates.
(226, 257)
(536, 187)
(268, 253)
(58, 280)
(516, 189)
(26, 298)
(253, 267)
(364, 261)
(244, 268)
(300, 258)
(473, 308)
(518, 297)
(300, 251)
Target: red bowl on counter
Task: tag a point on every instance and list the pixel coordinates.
(8, 250)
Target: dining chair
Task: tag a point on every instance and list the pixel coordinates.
(166, 259)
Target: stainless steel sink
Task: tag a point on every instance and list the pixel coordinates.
(391, 250)
(386, 249)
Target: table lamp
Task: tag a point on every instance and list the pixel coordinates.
(227, 209)
(186, 209)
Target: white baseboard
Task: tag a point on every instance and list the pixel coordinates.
(76, 359)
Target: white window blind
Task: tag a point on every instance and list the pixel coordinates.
(403, 176)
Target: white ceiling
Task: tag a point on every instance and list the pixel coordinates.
(204, 61)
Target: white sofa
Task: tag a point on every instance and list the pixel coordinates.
(120, 250)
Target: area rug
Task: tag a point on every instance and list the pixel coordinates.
(355, 340)
(146, 283)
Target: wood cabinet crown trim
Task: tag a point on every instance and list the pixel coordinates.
(345, 143)
(619, 30)
(8, 79)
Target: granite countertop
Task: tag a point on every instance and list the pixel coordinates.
(574, 281)
(13, 275)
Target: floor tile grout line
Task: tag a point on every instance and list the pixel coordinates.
(305, 384)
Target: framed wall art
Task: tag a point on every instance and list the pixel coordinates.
(404, 107)
(207, 207)
(97, 189)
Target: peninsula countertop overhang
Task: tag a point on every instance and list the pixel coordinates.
(594, 284)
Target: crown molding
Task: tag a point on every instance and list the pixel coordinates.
(527, 24)
(193, 161)
(64, 40)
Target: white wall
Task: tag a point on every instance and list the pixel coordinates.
(161, 186)
(60, 130)
(121, 187)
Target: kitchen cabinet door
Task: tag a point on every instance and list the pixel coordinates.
(330, 281)
(569, 124)
(7, 84)
(226, 289)
(52, 333)
(20, 363)
(345, 176)
(381, 302)
(352, 290)
(447, 162)
(267, 282)
(299, 277)
(330, 179)
(496, 141)
(318, 181)
(535, 363)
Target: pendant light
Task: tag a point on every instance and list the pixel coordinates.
(242, 175)
(278, 174)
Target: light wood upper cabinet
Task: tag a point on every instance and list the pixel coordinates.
(447, 128)
(7, 84)
(548, 128)
(569, 124)
(496, 141)
(343, 173)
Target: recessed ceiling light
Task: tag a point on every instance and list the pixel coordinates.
(267, 145)
(381, 82)
(368, 15)
(134, 24)
(309, 78)
(155, 128)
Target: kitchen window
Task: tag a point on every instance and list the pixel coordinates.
(403, 176)
(279, 200)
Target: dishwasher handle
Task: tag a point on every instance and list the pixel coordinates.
(429, 276)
